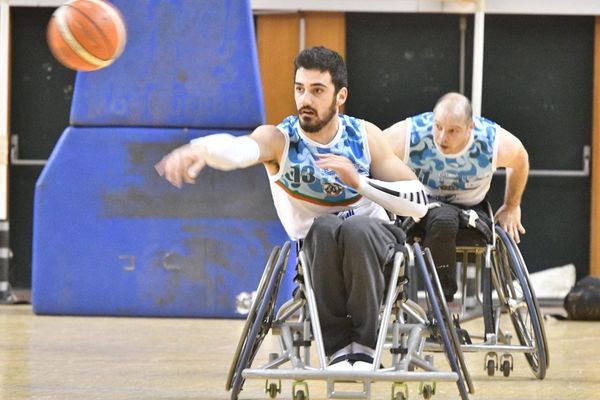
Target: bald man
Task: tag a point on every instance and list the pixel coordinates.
(454, 154)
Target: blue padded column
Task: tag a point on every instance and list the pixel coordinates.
(187, 63)
(110, 236)
(114, 239)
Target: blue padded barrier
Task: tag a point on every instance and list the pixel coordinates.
(111, 237)
(186, 63)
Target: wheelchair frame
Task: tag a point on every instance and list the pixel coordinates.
(297, 329)
(500, 269)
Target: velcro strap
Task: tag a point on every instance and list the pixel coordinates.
(473, 217)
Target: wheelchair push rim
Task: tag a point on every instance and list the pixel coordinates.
(445, 310)
(535, 301)
(521, 302)
(261, 324)
(251, 316)
(443, 325)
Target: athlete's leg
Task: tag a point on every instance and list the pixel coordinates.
(441, 226)
(366, 246)
(321, 249)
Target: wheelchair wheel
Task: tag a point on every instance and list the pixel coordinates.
(266, 276)
(537, 306)
(439, 292)
(453, 352)
(521, 302)
(259, 319)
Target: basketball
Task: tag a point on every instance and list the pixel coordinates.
(86, 35)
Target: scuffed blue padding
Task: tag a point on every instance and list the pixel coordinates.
(111, 237)
(186, 63)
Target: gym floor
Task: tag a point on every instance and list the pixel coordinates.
(73, 358)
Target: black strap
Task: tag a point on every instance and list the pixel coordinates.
(361, 357)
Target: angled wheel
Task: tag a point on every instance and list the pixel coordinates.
(521, 302)
(259, 319)
(535, 302)
(448, 321)
(444, 323)
(262, 285)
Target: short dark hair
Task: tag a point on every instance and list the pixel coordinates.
(325, 60)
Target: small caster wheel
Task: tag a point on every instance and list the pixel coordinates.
(506, 364)
(299, 390)
(400, 396)
(273, 389)
(491, 367)
(399, 391)
(427, 392)
(299, 395)
(506, 368)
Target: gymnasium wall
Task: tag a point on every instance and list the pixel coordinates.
(537, 84)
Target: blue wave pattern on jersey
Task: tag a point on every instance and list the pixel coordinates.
(436, 170)
(304, 179)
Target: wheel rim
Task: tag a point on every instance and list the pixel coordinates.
(520, 302)
(261, 324)
(266, 276)
(443, 326)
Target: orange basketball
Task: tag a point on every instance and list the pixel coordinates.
(86, 35)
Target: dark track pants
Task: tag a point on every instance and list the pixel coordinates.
(441, 226)
(347, 260)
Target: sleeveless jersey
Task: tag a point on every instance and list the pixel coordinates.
(463, 178)
(302, 191)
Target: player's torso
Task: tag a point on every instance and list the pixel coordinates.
(302, 190)
(461, 178)
(302, 178)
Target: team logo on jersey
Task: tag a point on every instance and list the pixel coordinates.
(332, 188)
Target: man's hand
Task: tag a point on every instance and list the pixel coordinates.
(342, 166)
(182, 165)
(509, 218)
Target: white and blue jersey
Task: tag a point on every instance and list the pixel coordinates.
(303, 191)
(463, 178)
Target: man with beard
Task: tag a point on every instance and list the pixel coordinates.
(455, 154)
(332, 178)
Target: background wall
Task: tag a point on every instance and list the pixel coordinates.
(537, 84)
(40, 101)
(538, 78)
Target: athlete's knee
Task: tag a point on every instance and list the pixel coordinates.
(355, 230)
(325, 225)
(442, 225)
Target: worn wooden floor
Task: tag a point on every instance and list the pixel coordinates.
(69, 358)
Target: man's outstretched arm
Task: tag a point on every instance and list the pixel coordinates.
(221, 151)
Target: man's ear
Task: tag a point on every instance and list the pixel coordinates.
(471, 126)
(342, 95)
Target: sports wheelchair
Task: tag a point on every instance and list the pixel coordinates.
(494, 281)
(400, 341)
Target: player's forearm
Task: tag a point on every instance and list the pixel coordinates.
(405, 198)
(516, 180)
(227, 152)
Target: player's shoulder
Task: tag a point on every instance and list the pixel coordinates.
(268, 132)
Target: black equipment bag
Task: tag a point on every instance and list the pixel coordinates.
(583, 300)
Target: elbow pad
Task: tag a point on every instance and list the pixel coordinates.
(227, 152)
(404, 198)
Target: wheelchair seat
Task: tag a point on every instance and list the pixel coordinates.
(466, 237)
